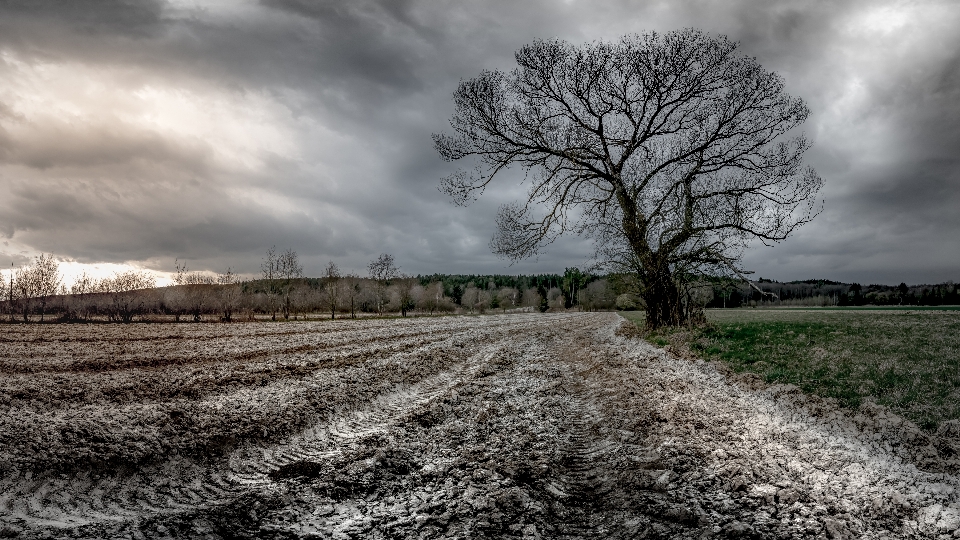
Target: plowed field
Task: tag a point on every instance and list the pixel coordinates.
(507, 426)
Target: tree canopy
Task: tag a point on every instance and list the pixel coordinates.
(672, 151)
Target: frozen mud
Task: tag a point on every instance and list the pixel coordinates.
(509, 426)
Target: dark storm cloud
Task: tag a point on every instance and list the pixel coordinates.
(111, 17)
(333, 104)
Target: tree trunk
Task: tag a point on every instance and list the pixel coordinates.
(661, 295)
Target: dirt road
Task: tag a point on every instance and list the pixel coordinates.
(508, 426)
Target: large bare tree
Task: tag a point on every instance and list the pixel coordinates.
(672, 151)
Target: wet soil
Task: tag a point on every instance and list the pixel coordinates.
(512, 426)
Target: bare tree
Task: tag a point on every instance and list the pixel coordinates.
(352, 289)
(431, 297)
(331, 288)
(303, 298)
(288, 265)
(269, 267)
(469, 297)
(597, 295)
(81, 306)
(196, 294)
(126, 293)
(3, 289)
(182, 271)
(405, 298)
(229, 293)
(288, 269)
(46, 277)
(508, 298)
(382, 270)
(11, 294)
(279, 270)
(531, 298)
(269, 270)
(175, 301)
(668, 150)
(23, 286)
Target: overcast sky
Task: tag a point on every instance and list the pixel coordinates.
(139, 132)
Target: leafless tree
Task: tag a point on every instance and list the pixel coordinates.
(175, 301)
(598, 295)
(280, 270)
(180, 278)
(531, 298)
(269, 270)
(405, 299)
(555, 299)
(127, 293)
(431, 297)
(196, 294)
(45, 274)
(81, 305)
(352, 290)
(6, 292)
(288, 269)
(229, 294)
(23, 287)
(332, 288)
(382, 270)
(470, 298)
(669, 150)
(508, 298)
(303, 298)
(288, 265)
(269, 267)
(12, 294)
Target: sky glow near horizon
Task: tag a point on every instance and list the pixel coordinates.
(135, 134)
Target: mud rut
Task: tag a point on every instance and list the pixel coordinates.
(537, 426)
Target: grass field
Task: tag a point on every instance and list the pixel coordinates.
(906, 359)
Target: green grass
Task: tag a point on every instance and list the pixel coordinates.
(908, 360)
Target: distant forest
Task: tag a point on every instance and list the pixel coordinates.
(823, 292)
(720, 292)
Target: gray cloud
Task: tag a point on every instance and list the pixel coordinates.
(146, 131)
(94, 17)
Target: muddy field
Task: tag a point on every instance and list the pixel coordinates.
(508, 426)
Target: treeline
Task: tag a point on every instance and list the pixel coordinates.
(823, 293)
(36, 293)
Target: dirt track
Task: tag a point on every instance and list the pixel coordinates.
(513, 426)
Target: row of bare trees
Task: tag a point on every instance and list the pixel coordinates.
(37, 289)
(32, 285)
(36, 292)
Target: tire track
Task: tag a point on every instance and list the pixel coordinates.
(327, 440)
(581, 482)
(603, 482)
